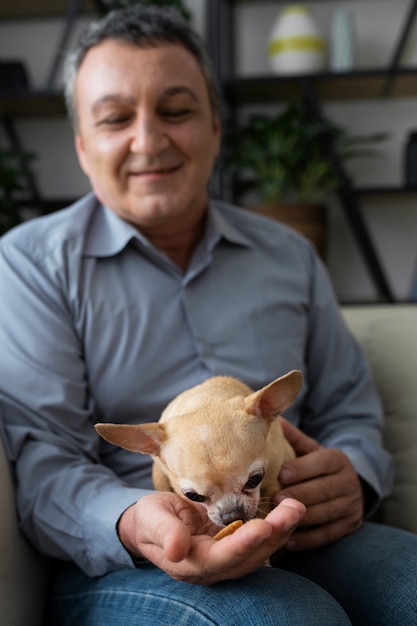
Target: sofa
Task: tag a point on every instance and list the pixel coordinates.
(388, 334)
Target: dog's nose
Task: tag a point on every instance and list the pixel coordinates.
(231, 515)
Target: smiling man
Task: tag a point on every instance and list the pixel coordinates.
(147, 287)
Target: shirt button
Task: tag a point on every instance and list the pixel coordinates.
(207, 350)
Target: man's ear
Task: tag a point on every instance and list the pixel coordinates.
(82, 158)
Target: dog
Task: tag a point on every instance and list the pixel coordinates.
(219, 443)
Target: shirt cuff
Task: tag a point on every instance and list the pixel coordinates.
(105, 552)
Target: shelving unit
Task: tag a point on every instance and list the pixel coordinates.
(393, 81)
(46, 102)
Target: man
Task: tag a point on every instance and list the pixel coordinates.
(143, 289)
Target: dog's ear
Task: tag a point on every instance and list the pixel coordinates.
(145, 438)
(272, 400)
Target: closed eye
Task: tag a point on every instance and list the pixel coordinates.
(115, 120)
(254, 480)
(195, 497)
(176, 115)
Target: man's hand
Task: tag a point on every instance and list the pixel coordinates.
(325, 481)
(171, 532)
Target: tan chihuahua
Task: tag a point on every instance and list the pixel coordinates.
(218, 443)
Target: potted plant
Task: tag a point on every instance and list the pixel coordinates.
(12, 185)
(285, 159)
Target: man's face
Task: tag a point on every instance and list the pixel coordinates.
(147, 137)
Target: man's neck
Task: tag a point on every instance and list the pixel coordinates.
(178, 244)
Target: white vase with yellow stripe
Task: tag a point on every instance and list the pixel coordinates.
(296, 45)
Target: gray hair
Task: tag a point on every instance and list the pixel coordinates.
(144, 26)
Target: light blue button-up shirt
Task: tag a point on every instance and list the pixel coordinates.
(97, 325)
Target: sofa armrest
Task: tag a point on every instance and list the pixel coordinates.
(23, 573)
(388, 335)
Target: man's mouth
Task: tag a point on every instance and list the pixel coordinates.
(154, 173)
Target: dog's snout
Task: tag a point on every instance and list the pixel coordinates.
(231, 515)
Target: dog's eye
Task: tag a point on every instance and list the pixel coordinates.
(195, 497)
(254, 480)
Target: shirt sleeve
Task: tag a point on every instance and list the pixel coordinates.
(68, 501)
(342, 408)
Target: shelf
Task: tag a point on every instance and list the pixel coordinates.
(327, 86)
(19, 9)
(386, 191)
(32, 103)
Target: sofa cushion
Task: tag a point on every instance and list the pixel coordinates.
(389, 338)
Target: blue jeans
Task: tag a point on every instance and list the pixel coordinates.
(367, 578)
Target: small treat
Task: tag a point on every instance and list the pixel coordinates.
(228, 530)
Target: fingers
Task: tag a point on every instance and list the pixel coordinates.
(321, 462)
(174, 534)
(320, 477)
(174, 540)
(274, 529)
(254, 542)
(286, 516)
(302, 443)
(159, 523)
(326, 482)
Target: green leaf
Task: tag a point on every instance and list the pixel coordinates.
(289, 153)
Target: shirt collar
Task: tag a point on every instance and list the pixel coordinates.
(108, 234)
(225, 227)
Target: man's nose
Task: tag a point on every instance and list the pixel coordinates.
(149, 136)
